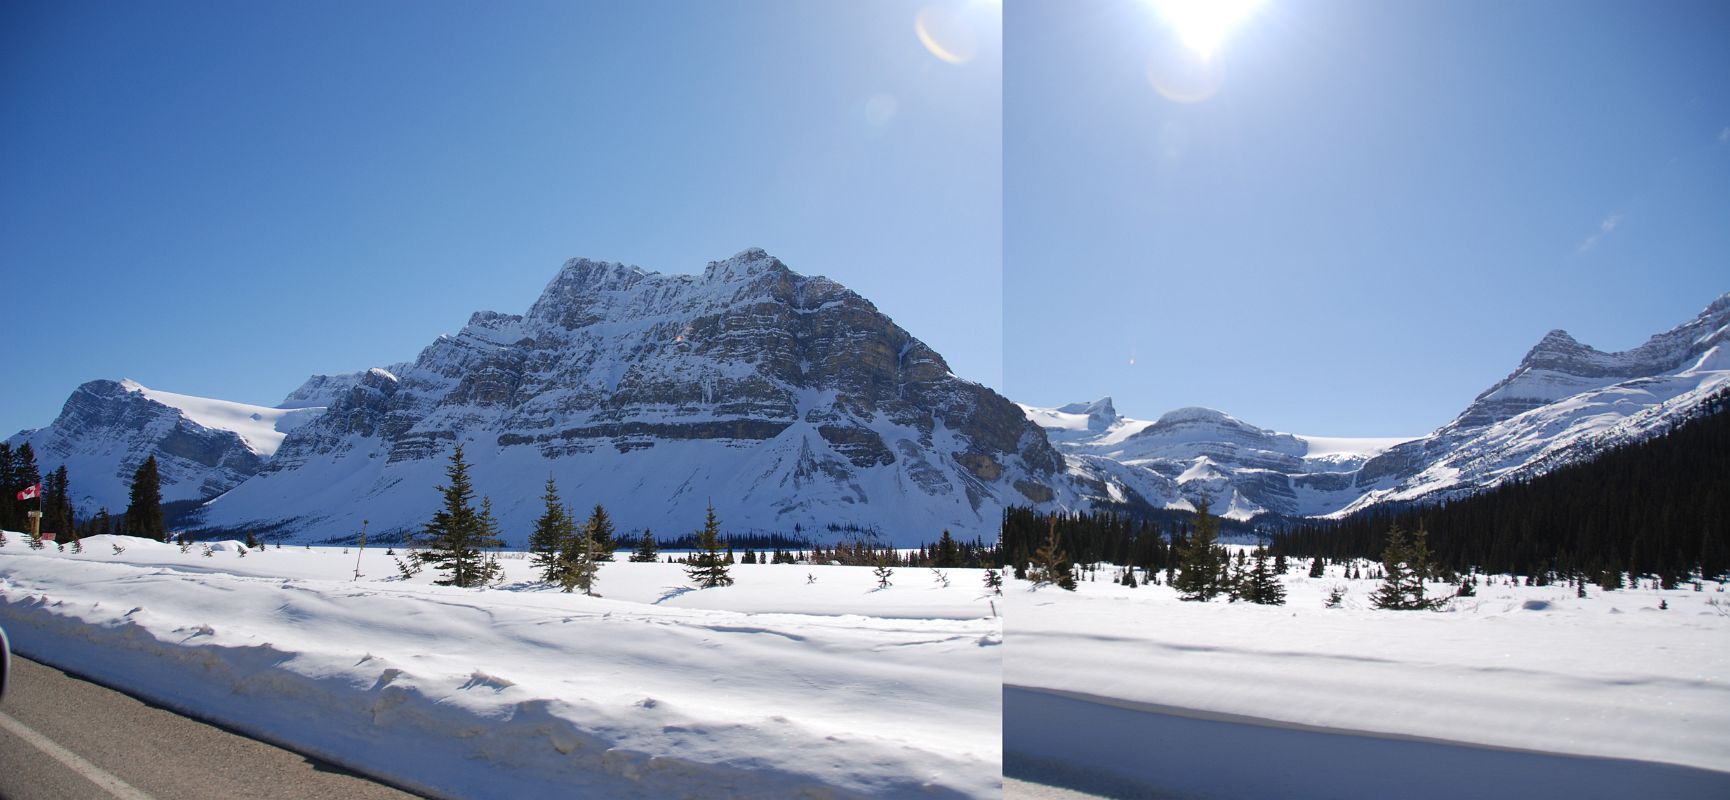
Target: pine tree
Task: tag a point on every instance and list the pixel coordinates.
(455, 536)
(144, 508)
(1405, 562)
(57, 506)
(707, 567)
(1316, 567)
(492, 570)
(948, 553)
(601, 530)
(8, 485)
(1051, 564)
(547, 541)
(1202, 574)
(645, 552)
(1261, 585)
(579, 561)
(994, 581)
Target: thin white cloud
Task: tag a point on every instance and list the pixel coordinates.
(1609, 224)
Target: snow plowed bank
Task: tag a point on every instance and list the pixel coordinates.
(1608, 676)
(490, 693)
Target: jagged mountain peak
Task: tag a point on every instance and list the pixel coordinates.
(1560, 366)
(744, 265)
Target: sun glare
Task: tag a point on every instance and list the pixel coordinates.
(1202, 25)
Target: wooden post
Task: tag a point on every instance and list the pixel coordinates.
(362, 549)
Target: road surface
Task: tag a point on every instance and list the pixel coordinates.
(65, 738)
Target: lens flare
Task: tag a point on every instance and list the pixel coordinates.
(1182, 77)
(946, 35)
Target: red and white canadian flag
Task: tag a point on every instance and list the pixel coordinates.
(34, 491)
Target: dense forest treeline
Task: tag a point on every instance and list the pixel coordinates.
(1656, 507)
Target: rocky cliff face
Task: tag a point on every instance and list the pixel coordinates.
(1565, 401)
(108, 428)
(783, 399)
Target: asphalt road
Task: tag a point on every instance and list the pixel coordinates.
(64, 737)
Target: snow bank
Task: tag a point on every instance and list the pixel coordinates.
(1528, 668)
(653, 691)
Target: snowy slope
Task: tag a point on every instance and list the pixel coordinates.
(203, 446)
(775, 687)
(261, 428)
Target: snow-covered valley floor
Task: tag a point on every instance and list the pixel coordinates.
(779, 686)
(1519, 691)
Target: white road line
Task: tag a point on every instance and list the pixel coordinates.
(73, 761)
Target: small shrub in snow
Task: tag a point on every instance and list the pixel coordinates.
(940, 577)
(994, 581)
(1335, 596)
(209, 552)
(1050, 564)
(117, 548)
(882, 571)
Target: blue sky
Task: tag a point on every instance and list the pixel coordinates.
(223, 198)
(1379, 209)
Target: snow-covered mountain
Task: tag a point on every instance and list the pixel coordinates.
(203, 447)
(1564, 402)
(1171, 461)
(789, 402)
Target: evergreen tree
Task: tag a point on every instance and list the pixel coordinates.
(144, 507)
(551, 531)
(1261, 585)
(1051, 564)
(948, 552)
(456, 536)
(1316, 567)
(492, 570)
(1202, 561)
(57, 505)
(579, 562)
(707, 567)
(8, 488)
(601, 530)
(1404, 564)
(645, 552)
(994, 581)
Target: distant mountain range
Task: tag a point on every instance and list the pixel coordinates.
(1564, 402)
(795, 406)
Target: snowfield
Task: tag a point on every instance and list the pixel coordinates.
(1512, 687)
(775, 687)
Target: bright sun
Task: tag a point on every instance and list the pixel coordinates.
(1202, 25)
